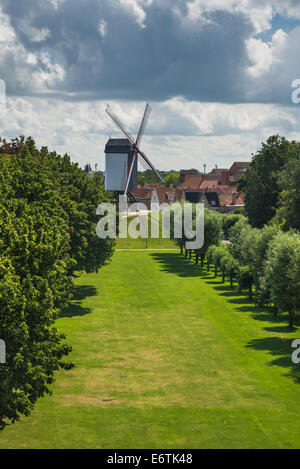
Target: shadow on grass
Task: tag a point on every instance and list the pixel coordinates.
(280, 348)
(81, 292)
(74, 307)
(276, 346)
(176, 264)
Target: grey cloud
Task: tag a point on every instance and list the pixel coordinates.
(168, 57)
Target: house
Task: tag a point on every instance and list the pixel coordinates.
(217, 190)
(236, 171)
(210, 200)
(186, 173)
(154, 195)
(148, 197)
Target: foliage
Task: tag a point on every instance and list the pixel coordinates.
(212, 232)
(47, 230)
(34, 261)
(245, 279)
(289, 204)
(217, 254)
(261, 180)
(146, 177)
(229, 221)
(282, 273)
(172, 178)
(231, 268)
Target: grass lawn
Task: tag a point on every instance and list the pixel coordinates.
(149, 242)
(167, 357)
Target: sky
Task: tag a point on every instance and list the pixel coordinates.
(217, 73)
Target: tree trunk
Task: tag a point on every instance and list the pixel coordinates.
(190, 254)
(197, 258)
(207, 266)
(231, 282)
(275, 310)
(181, 249)
(250, 291)
(202, 261)
(186, 253)
(216, 270)
(223, 278)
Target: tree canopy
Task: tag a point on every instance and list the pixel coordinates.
(47, 231)
(261, 180)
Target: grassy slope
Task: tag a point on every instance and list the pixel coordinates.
(166, 358)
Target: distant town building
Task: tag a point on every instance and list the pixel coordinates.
(88, 170)
(186, 173)
(217, 190)
(154, 195)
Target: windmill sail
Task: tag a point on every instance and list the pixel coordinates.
(144, 122)
(118, 123)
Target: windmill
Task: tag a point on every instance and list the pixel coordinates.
(122, 155)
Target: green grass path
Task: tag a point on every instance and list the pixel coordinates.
(167, 357)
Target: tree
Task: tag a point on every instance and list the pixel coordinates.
(55, 182)
(219, 252)
(229, 221)
(47, 230)
(232, 268)
(282, 273)
(243, 243)
(146, 177)
(261, 180)
(34, 286)
(246, 280)
(209, 256)
(175, 213)
(263, 241)
(288, 213)
(12, 146)
(212, 233)
(172, 178)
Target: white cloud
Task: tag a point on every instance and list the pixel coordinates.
(56, 3)
(103, 28)
(135, 7)
(179, 134)
(7, 34)
(264, 54)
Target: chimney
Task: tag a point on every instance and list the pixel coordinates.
(225, 177)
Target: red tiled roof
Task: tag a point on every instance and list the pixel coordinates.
(192, 182)
(143, 193)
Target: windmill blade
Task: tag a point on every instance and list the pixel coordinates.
(145, 119)
(150, 165)
(142, 162)
(118, 123)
